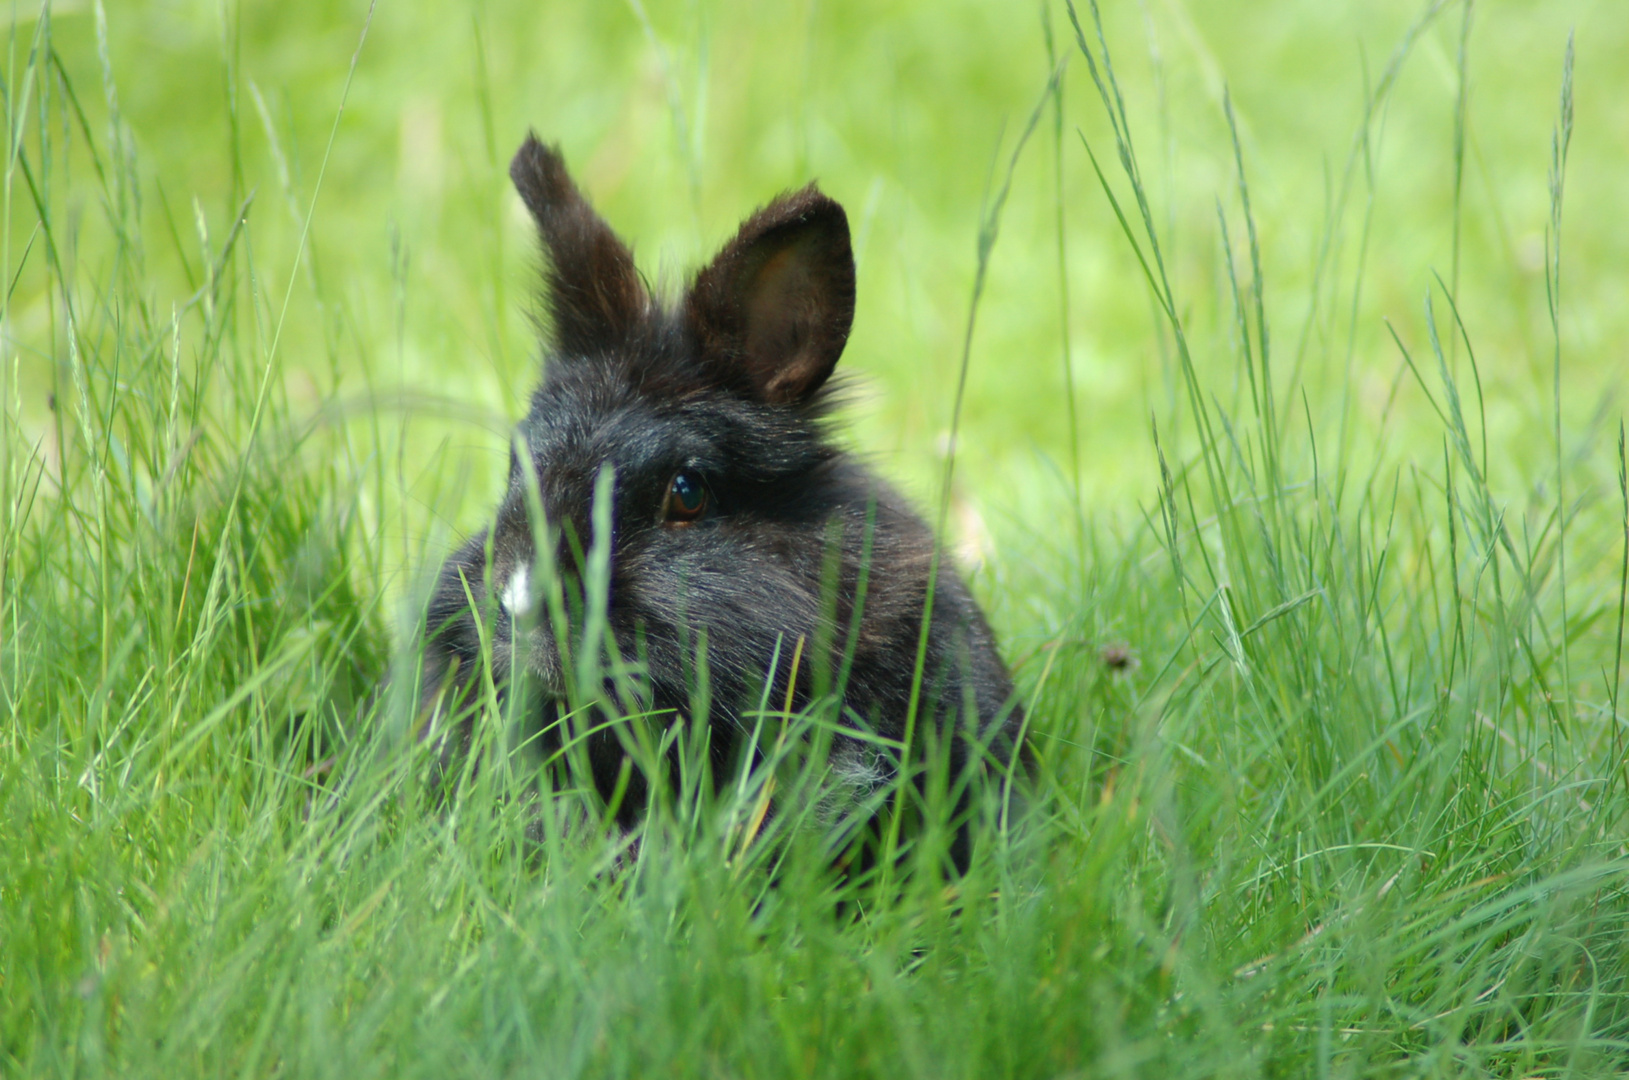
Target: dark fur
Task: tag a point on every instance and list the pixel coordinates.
(732, 385)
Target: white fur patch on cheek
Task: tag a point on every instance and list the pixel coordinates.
(517, 594)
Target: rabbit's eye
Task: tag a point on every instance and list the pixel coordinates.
(686, 497)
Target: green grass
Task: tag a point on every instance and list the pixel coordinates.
(1304, 402)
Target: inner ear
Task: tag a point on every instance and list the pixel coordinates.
(772, 312)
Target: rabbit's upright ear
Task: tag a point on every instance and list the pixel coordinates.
(773, 310)
(594, 295)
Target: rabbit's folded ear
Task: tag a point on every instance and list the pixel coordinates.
(594, 295)
(773, 310)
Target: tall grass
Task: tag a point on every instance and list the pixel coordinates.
(1331, 772)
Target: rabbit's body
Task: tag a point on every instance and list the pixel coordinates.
(735, 521)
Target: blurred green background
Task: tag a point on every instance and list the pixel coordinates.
(412, 301)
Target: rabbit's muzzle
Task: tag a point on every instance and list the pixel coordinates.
(523, 638)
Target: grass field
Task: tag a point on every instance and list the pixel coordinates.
(1290, 468)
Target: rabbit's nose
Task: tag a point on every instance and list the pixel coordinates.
(517, 592)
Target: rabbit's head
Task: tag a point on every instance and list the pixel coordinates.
(683, 447)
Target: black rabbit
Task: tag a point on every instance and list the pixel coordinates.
(734, 518)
